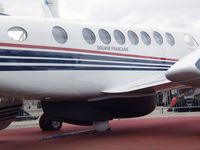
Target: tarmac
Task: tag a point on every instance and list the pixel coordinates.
(157, 131)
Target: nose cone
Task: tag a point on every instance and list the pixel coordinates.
(186, 71)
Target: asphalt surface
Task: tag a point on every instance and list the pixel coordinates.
(166, 133)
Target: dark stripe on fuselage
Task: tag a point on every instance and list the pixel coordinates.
(19, 60)
(66, 49)
(2, 14)
(28, 53)
(59, 68)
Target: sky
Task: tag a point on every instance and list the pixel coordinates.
(165, 13)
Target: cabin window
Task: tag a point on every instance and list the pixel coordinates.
(17, 34)
(89, 36)
(59, 34)
(104, 36)
(158, 38)
(145, 38)
(133, 37)
(119, 37)
(170, 39)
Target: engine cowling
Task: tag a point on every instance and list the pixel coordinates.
(8, 110)
(88, 112)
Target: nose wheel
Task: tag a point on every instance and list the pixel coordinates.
(49, 125)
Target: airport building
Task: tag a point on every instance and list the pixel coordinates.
(31, 105)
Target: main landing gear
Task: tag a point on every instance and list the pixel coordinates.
(49, 125)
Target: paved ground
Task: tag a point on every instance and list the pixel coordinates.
(159, 133)
(159, 112)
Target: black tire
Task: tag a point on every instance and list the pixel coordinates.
(44, 123)
(49, 125)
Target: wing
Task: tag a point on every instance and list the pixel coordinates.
(148, 82)
(187, 70)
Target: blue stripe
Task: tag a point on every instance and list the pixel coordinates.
(58, 68)
(2, 14)
(18, 60)
(28, 53)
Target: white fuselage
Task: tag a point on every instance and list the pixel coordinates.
(40, 67)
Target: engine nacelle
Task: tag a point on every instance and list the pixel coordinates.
(8, 110)
(89, 112)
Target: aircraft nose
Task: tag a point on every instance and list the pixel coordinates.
(187, 70)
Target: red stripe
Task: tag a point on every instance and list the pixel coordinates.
(81, 50)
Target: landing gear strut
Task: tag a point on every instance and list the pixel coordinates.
(49, 125)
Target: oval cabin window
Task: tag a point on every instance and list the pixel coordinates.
(145, 38)
(158, 38)
(104, 36)
(170, 39)
(119, 37)
(89, 36)
(17, 34)
(59, 34)
(133, 37)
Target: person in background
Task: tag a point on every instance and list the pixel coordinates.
(173, 103)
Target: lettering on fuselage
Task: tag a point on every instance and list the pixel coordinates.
(111, 48)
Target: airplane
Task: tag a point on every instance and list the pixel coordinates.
(84, 73)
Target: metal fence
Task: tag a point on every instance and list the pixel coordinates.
(181, 109)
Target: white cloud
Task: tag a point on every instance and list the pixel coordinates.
(22, 7)
(173, 13)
